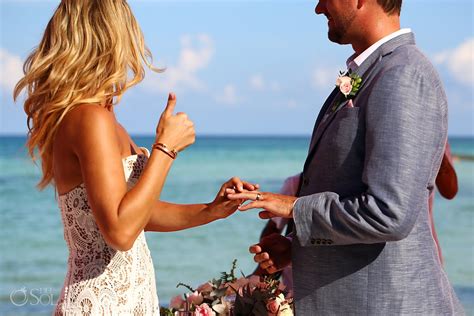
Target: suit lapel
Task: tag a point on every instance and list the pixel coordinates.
(364, 71)
(325, 121)
(321, 124)
(327, 105)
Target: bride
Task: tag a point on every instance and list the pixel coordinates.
(108, 188)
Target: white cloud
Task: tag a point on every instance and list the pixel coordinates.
(257, 82)
(11, 67)
(324, 78)
(183, 75)
(459, 61)
(227, 96)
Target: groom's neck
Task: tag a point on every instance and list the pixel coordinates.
(373, 25)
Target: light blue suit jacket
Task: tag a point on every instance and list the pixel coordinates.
(364, 245)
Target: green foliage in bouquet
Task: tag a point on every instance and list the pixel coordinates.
(166, 312)
(266, 298)
(232, 296)
(229, 277)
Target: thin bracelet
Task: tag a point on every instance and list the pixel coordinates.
(170, 152)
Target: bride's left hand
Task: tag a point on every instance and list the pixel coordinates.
(223, 207)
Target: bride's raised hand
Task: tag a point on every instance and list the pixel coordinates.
(175, 131)
(222, 207)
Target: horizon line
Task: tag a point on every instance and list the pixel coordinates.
(233, 135)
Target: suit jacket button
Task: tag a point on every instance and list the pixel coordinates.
(305, 181)
(330, 242)
(313, 241)
(318, 241)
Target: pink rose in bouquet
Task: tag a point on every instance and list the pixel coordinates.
(229, 295)
(276, 304)
(273, 306)
(204, 310)
(195, 298)
(177, 302)
(206, 287)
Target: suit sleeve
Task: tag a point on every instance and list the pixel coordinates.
(406, 124)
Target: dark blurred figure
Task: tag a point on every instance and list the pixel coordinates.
(447, 184)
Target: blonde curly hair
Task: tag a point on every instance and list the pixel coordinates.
(91, 52)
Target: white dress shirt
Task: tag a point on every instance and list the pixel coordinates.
(354, 62)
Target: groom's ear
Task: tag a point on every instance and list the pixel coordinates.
(361, 3)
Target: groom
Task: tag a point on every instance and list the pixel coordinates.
(362, 243)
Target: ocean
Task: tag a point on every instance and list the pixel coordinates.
(33, 252)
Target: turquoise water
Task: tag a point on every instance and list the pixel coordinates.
(33, 252)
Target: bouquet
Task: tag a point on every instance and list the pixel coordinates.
(232, 296)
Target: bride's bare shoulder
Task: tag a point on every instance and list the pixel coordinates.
(84, 130)
(89, 114)
(84, 127)
(87, 119)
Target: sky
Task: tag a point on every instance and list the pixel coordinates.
(242, 67)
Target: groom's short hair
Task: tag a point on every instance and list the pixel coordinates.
(391, 6)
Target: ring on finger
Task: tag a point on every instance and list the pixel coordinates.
(258, 197)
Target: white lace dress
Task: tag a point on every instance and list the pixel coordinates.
(99, 279)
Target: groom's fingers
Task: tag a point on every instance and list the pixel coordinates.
(255, 249)
(266, 264)
(247, 195)
(236, 195)
(251, 205)
(261, 257)
(272, 270)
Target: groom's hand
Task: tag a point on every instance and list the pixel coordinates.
(273, 205)
(273, 253)
(222, 207)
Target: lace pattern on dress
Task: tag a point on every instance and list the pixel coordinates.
(101, 280)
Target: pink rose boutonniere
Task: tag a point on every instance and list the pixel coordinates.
(349, 84)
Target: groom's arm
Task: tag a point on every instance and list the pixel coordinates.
(405, 131)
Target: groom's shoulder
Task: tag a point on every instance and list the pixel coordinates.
(410, 57)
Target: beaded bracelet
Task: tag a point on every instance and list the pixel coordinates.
(170, 152)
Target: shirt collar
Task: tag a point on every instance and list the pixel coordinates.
(355, 61)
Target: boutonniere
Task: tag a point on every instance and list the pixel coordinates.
(349, 84)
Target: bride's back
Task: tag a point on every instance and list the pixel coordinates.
(90, 54)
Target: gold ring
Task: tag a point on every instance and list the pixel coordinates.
(259, 197)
